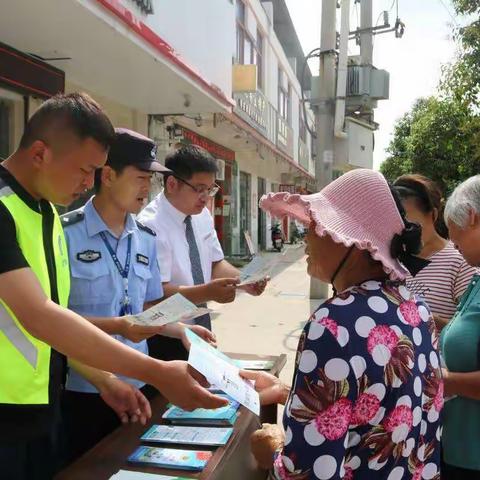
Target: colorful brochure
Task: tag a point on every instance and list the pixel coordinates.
(192, 460)
(174, 309)
(206, 436)
(129, 475)
(223, 416)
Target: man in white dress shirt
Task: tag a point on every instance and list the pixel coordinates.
(189, 253)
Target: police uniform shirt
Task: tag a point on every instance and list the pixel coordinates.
(97, 288)
(172, 246)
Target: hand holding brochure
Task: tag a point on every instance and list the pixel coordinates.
(223, 373)
(174, 309)
(252, 280)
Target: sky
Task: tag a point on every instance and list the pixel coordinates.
(414, 62)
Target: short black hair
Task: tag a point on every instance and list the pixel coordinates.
(188, 160)
(98, 175)
(76, 113)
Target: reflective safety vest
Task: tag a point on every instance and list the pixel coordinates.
(25, 360)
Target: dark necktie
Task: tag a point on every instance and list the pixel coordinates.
(196, 266)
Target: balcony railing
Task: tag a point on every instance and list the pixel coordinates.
(259, 113)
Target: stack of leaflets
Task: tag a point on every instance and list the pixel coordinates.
(184, 435)
(191, 460)
(129, 475)
(223, 416)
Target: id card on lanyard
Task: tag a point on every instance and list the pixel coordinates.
(126, 308)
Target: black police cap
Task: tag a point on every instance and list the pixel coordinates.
(133, 148)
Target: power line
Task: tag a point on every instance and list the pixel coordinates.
(449, 12)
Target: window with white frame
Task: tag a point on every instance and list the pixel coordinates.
(249, 51)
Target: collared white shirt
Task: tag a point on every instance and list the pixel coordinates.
(172, 246)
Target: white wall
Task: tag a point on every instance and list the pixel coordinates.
(202, 32)
(120, 115)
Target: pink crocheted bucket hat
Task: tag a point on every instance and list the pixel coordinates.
(356, 209)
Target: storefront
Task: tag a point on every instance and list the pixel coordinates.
(224, 208)
(25, 81)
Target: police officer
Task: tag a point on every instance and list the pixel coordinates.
(63, 143)
(114, 273)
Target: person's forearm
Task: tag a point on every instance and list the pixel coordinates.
(223, 269)
(96, 377)
(88, 344)
(196, 294)
(463, 384)
(110, 325)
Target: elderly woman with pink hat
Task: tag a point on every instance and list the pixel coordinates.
(367, 391)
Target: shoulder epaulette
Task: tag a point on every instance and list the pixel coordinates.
(71, 218)
(143, 227)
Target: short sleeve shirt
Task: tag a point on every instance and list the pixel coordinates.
(97, 288)
(443, 282)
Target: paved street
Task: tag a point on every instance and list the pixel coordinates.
(272, 323)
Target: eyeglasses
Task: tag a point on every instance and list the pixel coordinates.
(201, 190)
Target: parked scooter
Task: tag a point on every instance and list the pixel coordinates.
(298, 232)
(277, 237)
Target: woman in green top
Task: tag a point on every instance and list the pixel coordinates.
(460, 344)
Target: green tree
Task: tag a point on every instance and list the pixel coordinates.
(438, 138)
(461, 79)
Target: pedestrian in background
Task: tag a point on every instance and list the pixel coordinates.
(443, 282)
(460, 344)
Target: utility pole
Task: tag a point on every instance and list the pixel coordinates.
(366, 37)
(366, 43)
(325, 112)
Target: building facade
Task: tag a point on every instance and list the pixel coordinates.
(170, 69)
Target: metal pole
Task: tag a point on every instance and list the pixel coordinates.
(325, 113)
(366, 48)
(366, 37)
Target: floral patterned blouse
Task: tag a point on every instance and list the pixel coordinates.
(367, 393)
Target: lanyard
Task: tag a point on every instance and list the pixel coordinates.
(123, 271)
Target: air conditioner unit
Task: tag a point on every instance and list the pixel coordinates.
(366, 80)
(221, 170)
